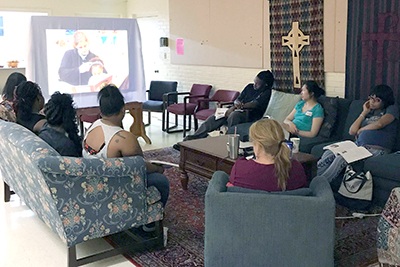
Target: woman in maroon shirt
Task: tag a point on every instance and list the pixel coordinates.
(272, 169)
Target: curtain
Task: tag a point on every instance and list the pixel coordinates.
(309, 15)
(373, 47)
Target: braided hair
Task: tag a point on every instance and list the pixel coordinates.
(60, 111)
(24, 97)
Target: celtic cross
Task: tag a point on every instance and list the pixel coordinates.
(296, 40)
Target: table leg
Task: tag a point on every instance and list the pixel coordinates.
(184, 180)
(137, 127)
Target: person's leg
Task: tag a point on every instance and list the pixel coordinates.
(161, 182)
(207, 126)
(330, 165)
(236, 117)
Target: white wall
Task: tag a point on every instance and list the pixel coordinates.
(237, 78)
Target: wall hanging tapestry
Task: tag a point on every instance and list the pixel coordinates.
(297, 52)
(373, 47)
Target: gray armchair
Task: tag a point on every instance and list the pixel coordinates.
(269, 229)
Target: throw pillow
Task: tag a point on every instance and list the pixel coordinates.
(330, 106)
(281, 104)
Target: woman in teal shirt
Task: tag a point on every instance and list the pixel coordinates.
(307, 116)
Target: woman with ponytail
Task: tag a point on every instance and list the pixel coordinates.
(272, 169)
(28, 101)
(61, 129)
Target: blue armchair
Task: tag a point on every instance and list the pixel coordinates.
(269, 229)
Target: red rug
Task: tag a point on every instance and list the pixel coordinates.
(355, 238)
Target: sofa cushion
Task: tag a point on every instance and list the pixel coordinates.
(297, 192)
(355, 110)
(330, 106)
(281, 104)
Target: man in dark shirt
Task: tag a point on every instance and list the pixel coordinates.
(254, 99)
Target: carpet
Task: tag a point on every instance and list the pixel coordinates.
(355, 238)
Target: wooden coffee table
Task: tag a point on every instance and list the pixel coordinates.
(205, 156)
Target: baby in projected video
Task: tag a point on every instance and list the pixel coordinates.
(75, 65)
(99, 78)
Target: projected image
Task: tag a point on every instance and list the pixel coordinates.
(83, 61)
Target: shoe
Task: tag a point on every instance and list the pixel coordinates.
(177, 147)
(189, 137)
(151, 227)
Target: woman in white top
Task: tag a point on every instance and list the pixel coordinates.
(107, 139)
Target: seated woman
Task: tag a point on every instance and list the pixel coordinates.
(375, 129)
(28, 101)
(6, 105)
(61, 129)
(272, 169)
(107, 139)
(307, 116)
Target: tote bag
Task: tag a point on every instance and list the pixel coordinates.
(356, 185)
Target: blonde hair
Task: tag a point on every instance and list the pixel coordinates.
(268, 133)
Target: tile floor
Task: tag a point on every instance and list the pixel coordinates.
(27, 241)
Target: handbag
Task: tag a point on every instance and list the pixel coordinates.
(356, 185)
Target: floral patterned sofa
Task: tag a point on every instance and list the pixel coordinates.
(79, 199)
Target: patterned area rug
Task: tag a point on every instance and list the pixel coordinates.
(355, 238)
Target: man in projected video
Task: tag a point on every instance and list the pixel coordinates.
(75, 65)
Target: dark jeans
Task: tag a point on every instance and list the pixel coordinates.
(161, 182)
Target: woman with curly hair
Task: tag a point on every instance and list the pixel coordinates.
(61, 129)
(6, 105)
(28, 101)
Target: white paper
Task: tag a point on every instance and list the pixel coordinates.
(160, 162)
(349, 151)
(220, 113)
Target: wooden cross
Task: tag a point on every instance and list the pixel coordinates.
(296, 40)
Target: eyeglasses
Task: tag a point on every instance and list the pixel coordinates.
(374, 98)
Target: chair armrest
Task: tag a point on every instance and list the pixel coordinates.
(167, 97)
(108, 190)
(226, 103)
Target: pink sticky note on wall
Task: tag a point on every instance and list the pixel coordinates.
(179, 46)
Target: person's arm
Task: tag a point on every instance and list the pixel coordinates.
(288, 124)
(129, 146)
(379, 124)
(357, 123)
(38, 126)
(316, 125)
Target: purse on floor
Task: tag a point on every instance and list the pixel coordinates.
(356, 185)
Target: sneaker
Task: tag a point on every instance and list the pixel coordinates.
(177, 147)
(151, 227)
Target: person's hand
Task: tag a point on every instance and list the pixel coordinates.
(293, 128)
(85, 67)
(160, 168)
(229, 111)
(360, 131)
(366, 108)
(239, 105)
